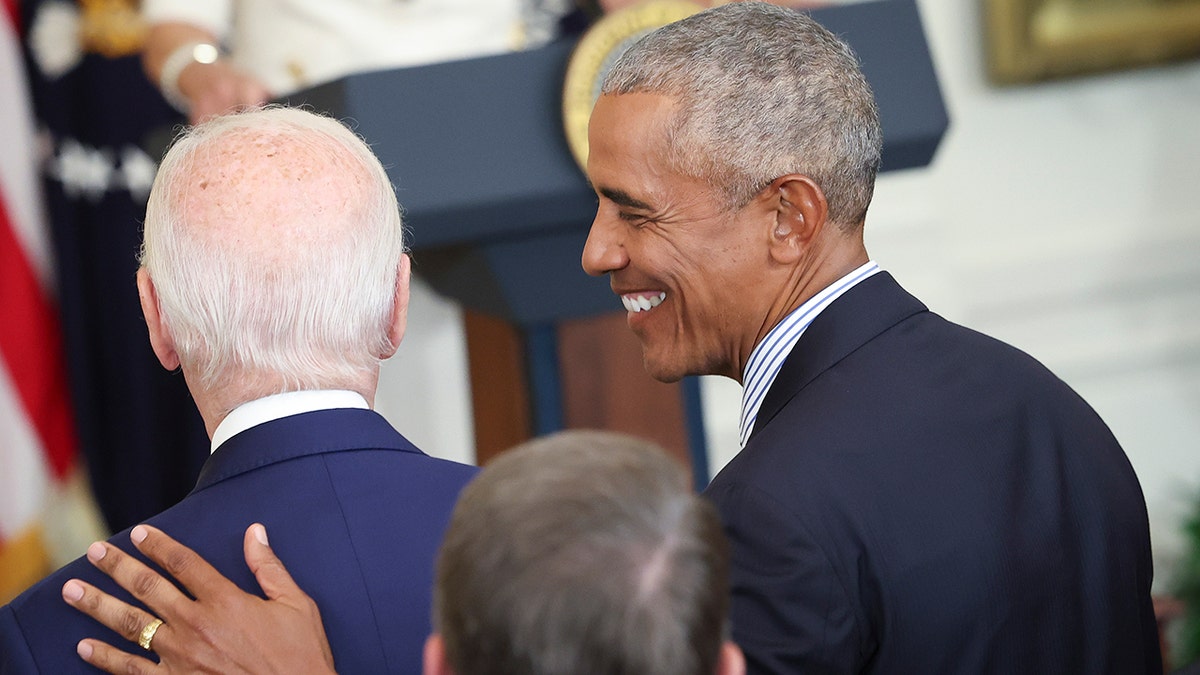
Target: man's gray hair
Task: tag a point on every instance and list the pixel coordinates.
(762, 91)
(316, 315)
(582, 553)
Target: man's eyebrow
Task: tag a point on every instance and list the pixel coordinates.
(625, 199)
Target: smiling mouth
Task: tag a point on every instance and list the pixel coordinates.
(642, 302)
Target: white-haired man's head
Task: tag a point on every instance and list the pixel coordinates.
(273, 257)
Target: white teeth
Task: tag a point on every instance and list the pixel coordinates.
(641, 303)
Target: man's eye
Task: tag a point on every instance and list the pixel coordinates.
(632, 218)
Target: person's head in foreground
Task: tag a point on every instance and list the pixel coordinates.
(273, 259)
(582, 552)
(734, 154)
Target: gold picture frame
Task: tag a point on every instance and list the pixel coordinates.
(1031, 40)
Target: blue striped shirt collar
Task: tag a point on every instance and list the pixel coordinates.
(768, 355)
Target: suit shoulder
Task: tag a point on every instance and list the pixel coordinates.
(15, 656)
(934, 343)
(39, 630)
(404, 466)
(971, 338)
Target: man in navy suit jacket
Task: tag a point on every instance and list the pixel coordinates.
(912, 496)
(274, 276)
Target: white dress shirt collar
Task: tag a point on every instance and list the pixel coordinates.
(256, 412)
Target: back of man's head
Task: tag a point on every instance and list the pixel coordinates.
(273, 241)
(582, 553)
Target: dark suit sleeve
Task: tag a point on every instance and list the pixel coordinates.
(15, 658)
(791, 612)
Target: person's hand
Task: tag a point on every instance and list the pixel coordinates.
(208, 88)
(218, 88)
(224, 630)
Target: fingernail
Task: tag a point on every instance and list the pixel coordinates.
(84, 649)
(72, 591)
(96, 551)
(138, 534)
(260, 533)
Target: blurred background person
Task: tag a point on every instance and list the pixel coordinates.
(209, 57)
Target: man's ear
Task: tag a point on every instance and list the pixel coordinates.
(435, 662)
(160, 336)
(800, 215)
(730, 661)
(399, 305)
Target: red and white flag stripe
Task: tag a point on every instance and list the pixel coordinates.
(38, 444)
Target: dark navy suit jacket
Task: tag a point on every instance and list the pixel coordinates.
(353, 509)
(919, 498)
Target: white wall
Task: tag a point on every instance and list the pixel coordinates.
(1063, 218)
(424, 390)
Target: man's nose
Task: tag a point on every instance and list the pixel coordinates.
(604, 252)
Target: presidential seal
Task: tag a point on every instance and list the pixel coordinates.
(595, 54)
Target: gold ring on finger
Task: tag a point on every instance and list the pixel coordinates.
(148, 633)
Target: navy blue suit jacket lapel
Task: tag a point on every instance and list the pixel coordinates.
(861, 313)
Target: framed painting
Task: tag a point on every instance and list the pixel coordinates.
(1031, 40)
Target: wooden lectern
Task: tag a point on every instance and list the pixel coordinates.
(499, 213)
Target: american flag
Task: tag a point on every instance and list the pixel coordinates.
(38, 446)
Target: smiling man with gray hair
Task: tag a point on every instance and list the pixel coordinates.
(911, 496)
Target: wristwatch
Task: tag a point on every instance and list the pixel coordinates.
(181, 57)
